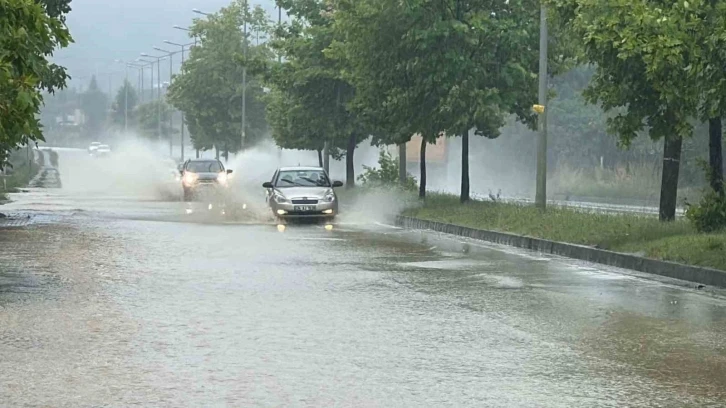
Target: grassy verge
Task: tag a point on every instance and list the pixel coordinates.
(20, 174)
(676, 241)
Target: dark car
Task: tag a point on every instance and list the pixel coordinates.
(203, 174)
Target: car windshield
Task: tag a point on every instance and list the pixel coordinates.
(204, 167)
(302, 178)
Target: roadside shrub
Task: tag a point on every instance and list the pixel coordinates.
(386, 175)
(709, 214)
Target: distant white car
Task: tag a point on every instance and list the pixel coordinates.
(102, 150)
(93, 147)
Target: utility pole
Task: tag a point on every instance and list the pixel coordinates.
(541, 108)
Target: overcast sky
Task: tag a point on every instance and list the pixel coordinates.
(106, 30)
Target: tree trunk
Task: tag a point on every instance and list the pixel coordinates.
(422, 161)
(402, 176)
(349, 164)
(216, 150)
(669, 182)
(715, 154)
(465, 167)
(320, 157)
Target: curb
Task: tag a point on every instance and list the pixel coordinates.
(705, 276)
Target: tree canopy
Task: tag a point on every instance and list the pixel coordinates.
(29, 33)
(209, 88)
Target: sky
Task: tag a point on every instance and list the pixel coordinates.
(107, 30)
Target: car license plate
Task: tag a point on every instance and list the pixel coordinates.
(304, 208)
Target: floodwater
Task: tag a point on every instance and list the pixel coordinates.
(109, 298)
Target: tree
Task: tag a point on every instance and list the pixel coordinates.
(712, 78)
(209, 88)
(643, 51)
(370, 43)
(260, 24)
(442, 66)
(148, 120)
(124, 105)
(314, 85)
(93, 104)
(29, 33)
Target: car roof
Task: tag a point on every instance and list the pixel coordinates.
(203, 160)
(95, 143)
(300, 168)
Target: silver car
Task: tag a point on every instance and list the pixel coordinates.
(302, 192)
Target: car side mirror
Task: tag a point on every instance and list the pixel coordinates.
(229, 171)
(337, 184)
(267, 184)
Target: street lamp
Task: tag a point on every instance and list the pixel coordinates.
(183, 49)
(158, 92)
(244, 70)
(126, 94)
(244, 78)
(187, 30)
(170, 54)
(150, 64)
(140, 67)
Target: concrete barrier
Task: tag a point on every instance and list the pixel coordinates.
(705, 276)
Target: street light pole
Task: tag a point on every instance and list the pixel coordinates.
(158, 92)
(183, 48)
(171, 115)
(244, 79)
(279, 61)
(126, 94)
(126, 100)
(541, 191)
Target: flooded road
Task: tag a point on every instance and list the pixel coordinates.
(119, 299)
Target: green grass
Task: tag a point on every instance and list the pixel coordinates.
(674, 241)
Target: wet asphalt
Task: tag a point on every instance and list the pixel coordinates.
(113, 293)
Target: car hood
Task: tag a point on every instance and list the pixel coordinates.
(207, 176)
(299, 192)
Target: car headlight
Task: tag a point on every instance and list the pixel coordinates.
(280, 199)
(190, 178)
(329, 196)
(222, 178)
